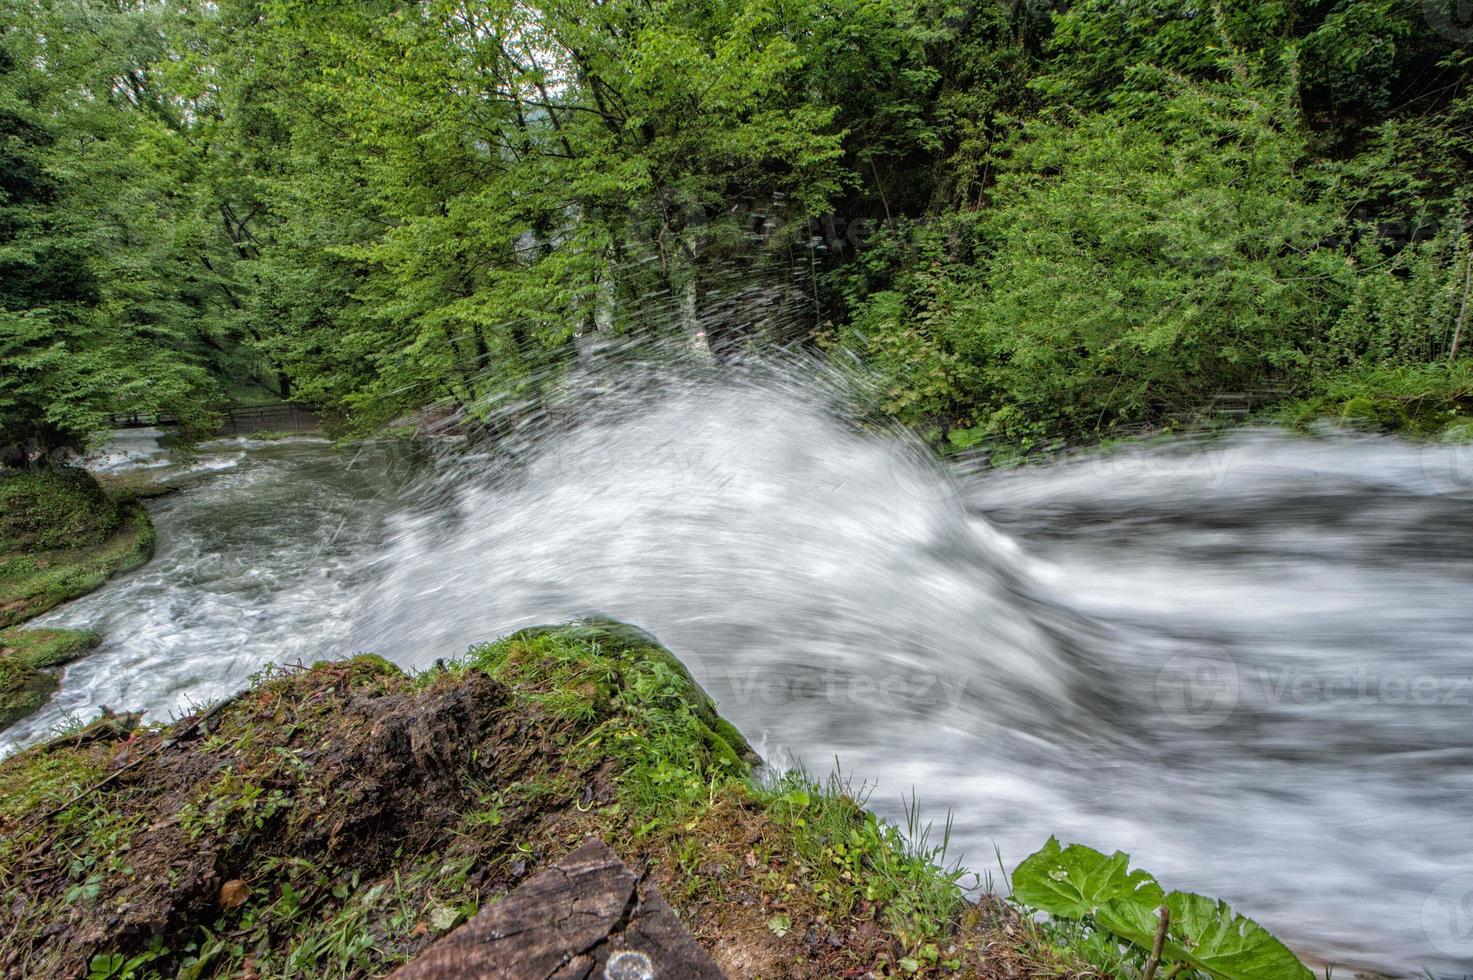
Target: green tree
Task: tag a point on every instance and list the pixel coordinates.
(76, 338)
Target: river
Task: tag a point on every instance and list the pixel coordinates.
(1246, 661)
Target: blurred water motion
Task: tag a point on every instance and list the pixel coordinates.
(1244, 660)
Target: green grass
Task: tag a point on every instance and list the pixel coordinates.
(35, 579)
(28, 659)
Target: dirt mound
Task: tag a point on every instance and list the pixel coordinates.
(337, 820)
(344, 766)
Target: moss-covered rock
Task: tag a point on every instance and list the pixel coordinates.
(336, 819)
(61, 536)
(28, 667)
(52, 509)
(33, 582)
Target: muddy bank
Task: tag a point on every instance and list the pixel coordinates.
(338, 819)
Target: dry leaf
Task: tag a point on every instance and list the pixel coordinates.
(233, 894)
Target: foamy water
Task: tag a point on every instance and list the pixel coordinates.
(1244, 661)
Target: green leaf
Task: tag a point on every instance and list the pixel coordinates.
(780, 925)
(444, 918)
(1226, 944)
(1076, 881)
(105, 965)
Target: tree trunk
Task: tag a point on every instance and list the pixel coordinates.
(1463, 312)
(689, 274)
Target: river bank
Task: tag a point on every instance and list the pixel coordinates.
(62, 535)
(341, 817)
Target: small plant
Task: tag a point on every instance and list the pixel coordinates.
(116, 966)
(1177, 931)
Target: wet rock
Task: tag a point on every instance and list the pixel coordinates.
(588, 916)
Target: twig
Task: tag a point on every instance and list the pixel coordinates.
(889, 221)
(1160, 942)
(164, 744)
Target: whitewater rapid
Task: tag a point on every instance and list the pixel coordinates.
(1244, 660)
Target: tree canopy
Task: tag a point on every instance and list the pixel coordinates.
(1031, 222)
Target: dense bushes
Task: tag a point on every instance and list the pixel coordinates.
(1094, 218)
(1202, 208)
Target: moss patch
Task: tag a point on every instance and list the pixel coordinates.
(35, 579)
(333, 821)
(28, 662)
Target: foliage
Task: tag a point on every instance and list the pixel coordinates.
(1168, 227)
(1145, 264)
(1077, 882)
(1130, 269)
(1031, 222)
(97, 305)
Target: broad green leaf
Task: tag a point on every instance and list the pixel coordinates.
(1076, 881)
(1137, 923)
(1227, 945)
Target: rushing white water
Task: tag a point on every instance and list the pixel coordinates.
(1245, 661)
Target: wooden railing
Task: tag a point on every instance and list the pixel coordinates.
(235, 420)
